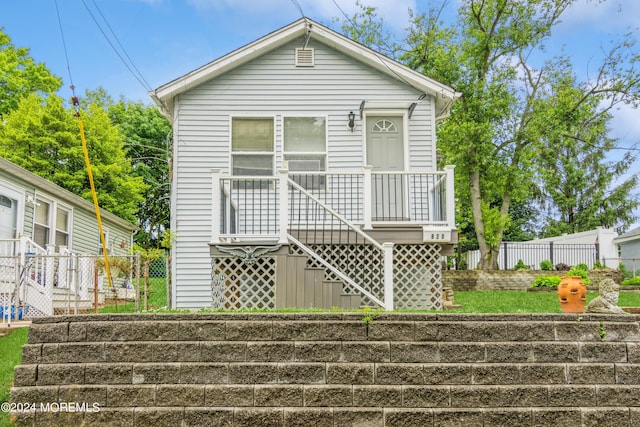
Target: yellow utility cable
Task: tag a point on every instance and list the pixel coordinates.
(93, 193)
(76, 106)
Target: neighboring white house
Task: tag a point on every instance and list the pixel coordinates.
(629, 244)
(305, 175)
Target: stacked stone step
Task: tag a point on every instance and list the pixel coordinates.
(330, 369)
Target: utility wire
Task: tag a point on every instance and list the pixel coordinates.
(138, 76)
(295, 2)
(64, 45)
(147, 86)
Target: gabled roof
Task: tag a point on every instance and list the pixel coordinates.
(61, 193)
(165, 94)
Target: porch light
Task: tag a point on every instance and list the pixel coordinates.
(352, 120)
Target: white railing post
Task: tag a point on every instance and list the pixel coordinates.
(388, 276)
(450, 197)
(367, 198)
(283, 209)
(216, 210)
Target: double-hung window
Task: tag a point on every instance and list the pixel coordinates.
(305, 148)
(41, 224)
(252, 146)
(62, 227)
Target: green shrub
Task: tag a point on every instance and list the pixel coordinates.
(631, 282)
(581, 266)
(626, 273)
(579, 272)
(520, 265)
(546, 282)
(546, 265)
(598, 265)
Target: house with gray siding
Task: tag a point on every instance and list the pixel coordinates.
(50, 216)
(305, 175)
(629, 244)
(49, 242)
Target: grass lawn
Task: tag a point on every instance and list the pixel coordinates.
(523, 301)
(10, 356)
(157, 298)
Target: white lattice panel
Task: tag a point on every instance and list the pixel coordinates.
(417, 277)
(362, 263)
(417, 274)
(237, 285)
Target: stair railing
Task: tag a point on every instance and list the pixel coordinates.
(313, 223)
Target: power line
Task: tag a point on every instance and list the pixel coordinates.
(295, 2)
(147, 86)
(138, 76)
(64, 43)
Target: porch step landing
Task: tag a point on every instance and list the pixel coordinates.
(332, 369)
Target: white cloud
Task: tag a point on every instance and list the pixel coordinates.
(613, 16)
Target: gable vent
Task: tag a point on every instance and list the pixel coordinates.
(304, 57)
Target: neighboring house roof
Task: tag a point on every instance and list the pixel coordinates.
(61, 193)
(628, 237)
(444, 95)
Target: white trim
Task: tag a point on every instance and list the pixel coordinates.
(165, 95)
(405, 132)
(273, 153)
(19, 195)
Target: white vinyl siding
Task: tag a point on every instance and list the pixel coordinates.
(272, 86)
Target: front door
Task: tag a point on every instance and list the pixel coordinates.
(385, 153)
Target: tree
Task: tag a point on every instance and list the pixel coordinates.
(576, 178)
(147, 136)
(20, 75)
(492, 135)
(42, 135)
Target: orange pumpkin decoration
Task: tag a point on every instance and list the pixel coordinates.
(572, 294)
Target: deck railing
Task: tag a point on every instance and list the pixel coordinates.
(260, 208)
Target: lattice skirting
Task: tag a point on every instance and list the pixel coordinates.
(417, 276)
(237, 285)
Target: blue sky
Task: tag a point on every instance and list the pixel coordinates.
(168, 38)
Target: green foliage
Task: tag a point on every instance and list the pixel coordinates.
(520, 265)
(42, 135)
(626, 273)
(147, 142)
(583, 274)
(513, 110)
(546, 265)
(598, 265)
(10, 356)
(631, 282)
(581, 266)
(546, 282)
(21, 76)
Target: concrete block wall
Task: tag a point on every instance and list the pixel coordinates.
(467, 280)
(331, 369)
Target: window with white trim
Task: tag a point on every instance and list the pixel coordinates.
(305, 147)
(41, 223)
(252, 146)
(63, 219)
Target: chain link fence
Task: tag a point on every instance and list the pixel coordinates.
(55, 284)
